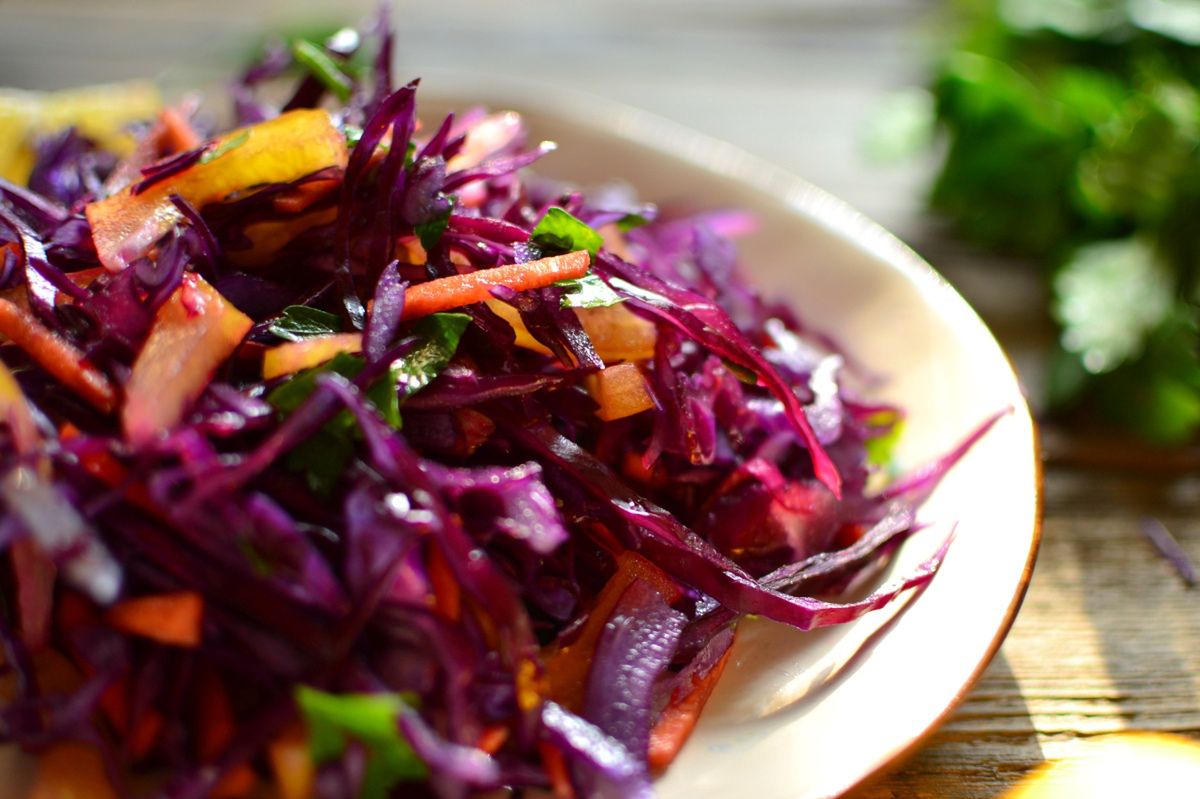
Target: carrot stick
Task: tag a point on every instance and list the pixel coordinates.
(237, 782)
(455, 291)
(177, 133)
(567, 668)
(215, 722)
(57, 356)
(679, 718)
(174, 619)
(447, 595)
(492, 738)
(555, 764)
(291, 764)
(108, 470)
(71, 769)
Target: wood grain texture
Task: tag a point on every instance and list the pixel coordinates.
(1108, 639)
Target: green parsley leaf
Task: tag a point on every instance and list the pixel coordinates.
(323, 457)
(588, 291)
(559, 232)
(298, 322)
(1108, 298)
(322, 67)
(631, 221)
(232, 144)
(370, 719)
(430, 233)
(440, 334)
(882, 444)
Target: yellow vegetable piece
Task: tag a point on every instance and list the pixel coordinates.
(617, 333)
(296, 355)
(194, 332)
(102, 113)
(71, 771)
(279, 150)
(620, 391)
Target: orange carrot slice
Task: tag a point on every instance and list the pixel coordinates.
(174, 619)
(71, 770)
(679, 717)
(492, 739)
(555, 765)
(194, 332)
(567, 667)
(279, 150)
(291, 764)
(446, 293)
(294, 356)
(237, 782)
(215, 721)
(57, 356)
(620, 391)
(447, 596)
(177, 134)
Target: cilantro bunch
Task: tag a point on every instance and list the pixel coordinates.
(1073, 139)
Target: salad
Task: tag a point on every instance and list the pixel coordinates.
(341, 455)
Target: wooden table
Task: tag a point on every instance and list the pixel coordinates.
(1108, 638)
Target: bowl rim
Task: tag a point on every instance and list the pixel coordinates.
(723, 159)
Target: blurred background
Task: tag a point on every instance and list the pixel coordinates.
(1043, 154)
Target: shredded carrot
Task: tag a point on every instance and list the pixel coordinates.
(114, 702)
(72, 611)
(679, 717)
(57, 356)
(304, 196)
(71, 770)
(145, 734)
(237, 782)
(174, 619)
(455, 291)
(555, 765)
(291, 764)
(215, 721)
(177, 134)
(568, 667)
(447, 596)
(108, 470)
(492, 739)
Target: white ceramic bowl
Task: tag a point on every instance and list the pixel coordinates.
(809, 715)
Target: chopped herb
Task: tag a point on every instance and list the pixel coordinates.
(631, 221)
(322, 67)
(559, 232)
(373, 721)
(430, 233)
(882, 444)
(298, 322)
(440, 334)
(589, 291)
(231, 144)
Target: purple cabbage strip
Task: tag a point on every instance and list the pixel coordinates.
(604, 769)
(637, 645)
(707, 324)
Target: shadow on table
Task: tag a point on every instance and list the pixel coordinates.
(986, 745)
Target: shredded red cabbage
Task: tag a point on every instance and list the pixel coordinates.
(496, 545)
